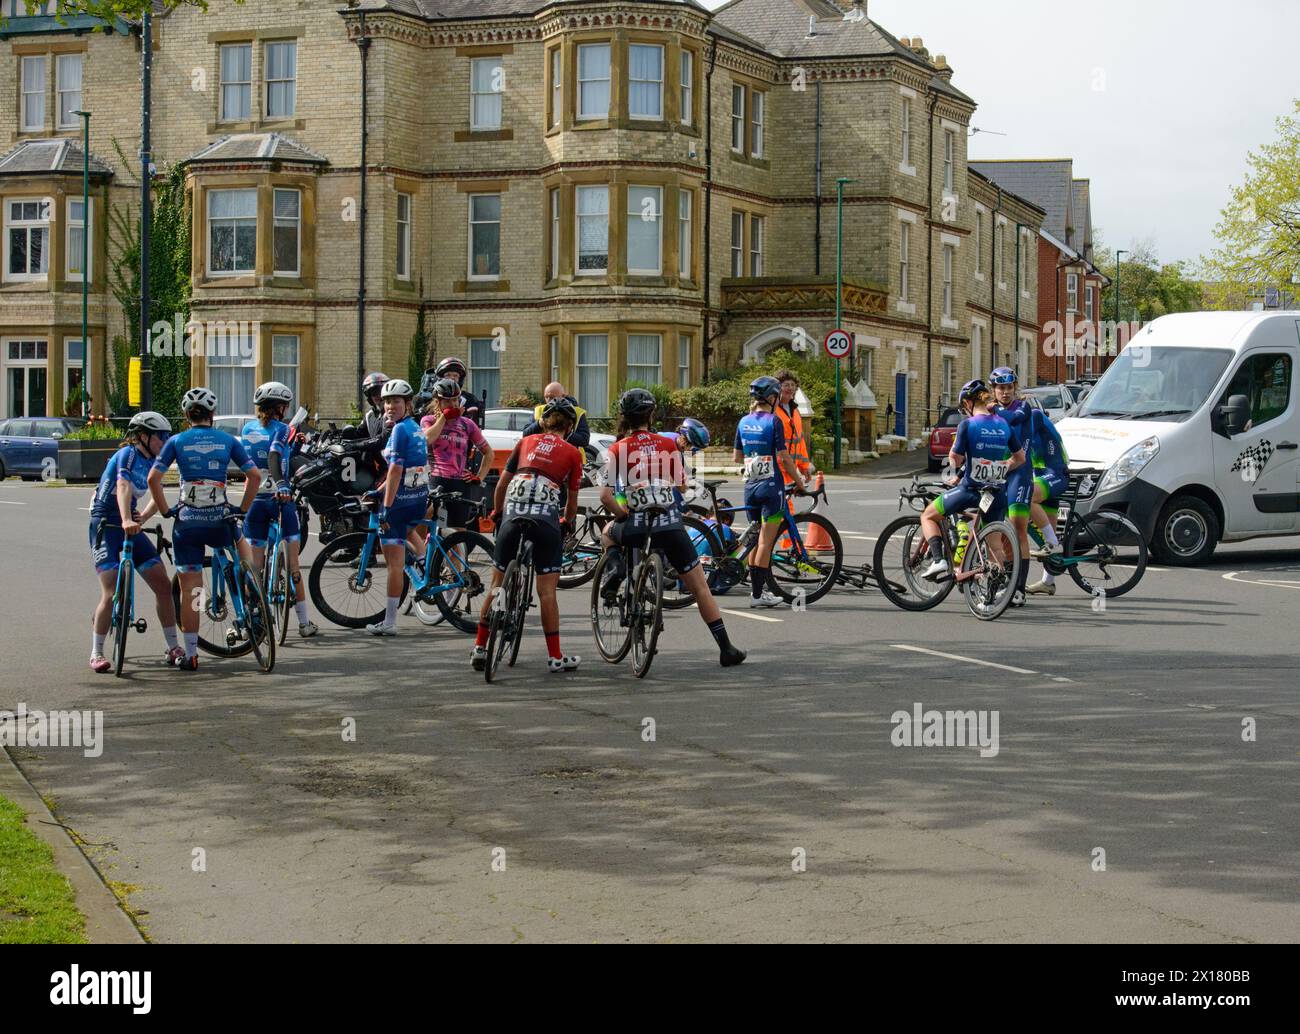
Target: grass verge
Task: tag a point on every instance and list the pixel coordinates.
(37, 904)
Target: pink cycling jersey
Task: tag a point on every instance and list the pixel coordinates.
(449, 455)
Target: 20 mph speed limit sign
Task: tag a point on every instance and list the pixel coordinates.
(839, 343)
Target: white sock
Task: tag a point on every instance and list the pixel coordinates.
(169, 634)
(301, 608)
(97, 644)
(1049, 578)
(191, 644)
(390, 611)
(1049, 535)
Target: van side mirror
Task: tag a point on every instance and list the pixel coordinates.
(1235, 414)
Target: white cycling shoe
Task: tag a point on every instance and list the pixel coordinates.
(478, 658)
(556, 665)
(1041, 589)
(937, 571)
(765, 602)
(1043, 552)
(307, 629)
(380, 628)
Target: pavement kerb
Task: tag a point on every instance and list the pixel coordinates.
(106, 922)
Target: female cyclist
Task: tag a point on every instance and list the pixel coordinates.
(450, 436)
(541, 470)
(1020, 483)
(267, 440)
(113, 517)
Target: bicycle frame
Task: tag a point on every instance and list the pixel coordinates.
(421, 586)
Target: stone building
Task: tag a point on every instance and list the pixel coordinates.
(591, 191)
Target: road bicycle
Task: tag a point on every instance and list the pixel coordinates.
(123, 618)
(1103, 552)
(509, 609)
(349, 577)
(984, 556)
(632, 620)
(234, 618)
(279, 585)
(424, 610)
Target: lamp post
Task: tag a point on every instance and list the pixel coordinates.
(85, 253)
(839, 300)
(1119, 269)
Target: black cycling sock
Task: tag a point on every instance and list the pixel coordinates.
(719, 630)
(936, 547)
(1023, 578)
(757, 579)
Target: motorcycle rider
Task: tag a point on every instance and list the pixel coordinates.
(374, 422)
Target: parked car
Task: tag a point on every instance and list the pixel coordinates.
(941, 438)
(507, 419)
(27, 442)
(504, 427)
(1056, 399)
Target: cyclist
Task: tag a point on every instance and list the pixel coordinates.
(542, 470)
(404, 494)
(1020, 483)
(989, 449)
(470, 406)
(643, 463)
(760, 443)
(796, 441)
(451, 437)
(580, 436)
(374, 418)
(1051, 479)
(202, 455)
(113, 517)
(266, 439)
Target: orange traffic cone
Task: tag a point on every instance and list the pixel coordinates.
(815, 538)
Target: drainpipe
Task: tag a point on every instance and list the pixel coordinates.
(929, 260)
(363, 42)
(1015, 345)
(707, 350)
(817, 203)
(993, 288)
(146, 214)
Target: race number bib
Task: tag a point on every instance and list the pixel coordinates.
(990, 472)
(533, 490)
(415, 478)
(759, 468)
(655, 495)
(986, 502)
(203, 494)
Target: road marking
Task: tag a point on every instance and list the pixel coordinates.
(965, 660)
(753, 617)
(854, 535)
(10, 502)
(1275, 583)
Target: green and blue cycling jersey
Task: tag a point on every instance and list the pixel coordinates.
(1051, 463)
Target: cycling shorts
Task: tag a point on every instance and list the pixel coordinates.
(548, 545)
(189, 543)
(257, 525)
(675, 544)
(456, 512)
(1020, 490)
(963, 498)
(1054, 484)
(108, 554)
(400, 521)
(764, 501)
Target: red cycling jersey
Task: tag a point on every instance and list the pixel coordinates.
(560, 467)
(644, 457)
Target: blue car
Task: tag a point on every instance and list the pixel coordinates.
(26, 442)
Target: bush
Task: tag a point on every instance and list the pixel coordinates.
(96, 431)
(527, 399)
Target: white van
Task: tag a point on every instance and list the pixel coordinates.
(1197, 431)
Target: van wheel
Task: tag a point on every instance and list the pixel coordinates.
(1187, 532)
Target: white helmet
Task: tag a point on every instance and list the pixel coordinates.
(396, 389)
(199, 398)
(272, 391)
(154, 423)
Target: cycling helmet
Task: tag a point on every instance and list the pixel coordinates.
(149, 422)
(765, 388)
(562, 406)
(971, 389)
(446, 388)
(695, 433)
(451, 365)
(396, 389)
(372, 383)
(272, 391)
(199, 398)
(636, 402)
(1003, 375)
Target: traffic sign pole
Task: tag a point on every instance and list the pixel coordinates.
(838, 344)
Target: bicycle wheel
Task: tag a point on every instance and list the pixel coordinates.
(1105, 553)
(465, 567)
(121, 627)
(218, 634)
(901, 555)
(609, 621)
(258, 623)
(519, 614)
(342, 592)
(807, 569)
(425, 611)
(647, 614)
(279, 593)
(582, 548)
(994, 557)
(501, 621)
(710, 551)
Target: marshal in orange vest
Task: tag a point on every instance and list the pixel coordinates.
(796, 442)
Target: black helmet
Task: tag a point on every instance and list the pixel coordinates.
(971, 389)
(562, 406)
(446, 388)
(636, 402)
(765, 388)
(451, 365)
(372, 383)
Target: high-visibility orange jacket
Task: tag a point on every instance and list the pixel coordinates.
(795, 440)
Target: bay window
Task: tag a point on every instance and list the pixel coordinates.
(685, 205)
(593, 372)
(593, 80)
(645, 81)
(644, 236)
(593, 230)
(76, 237)
(27, 239)
(284, 361)
(232, 231)
(485, 370)
(645, 358)
(286, 244)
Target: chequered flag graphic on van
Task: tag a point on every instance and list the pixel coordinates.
(1252, 462)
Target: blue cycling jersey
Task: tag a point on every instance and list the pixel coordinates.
(988, 443)
(1046, 446)
(761, 438)
(1018, 416)
(408, 450)
(127, 464)
(202, 455)
(261, 441)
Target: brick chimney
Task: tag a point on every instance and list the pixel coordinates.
(941, 67)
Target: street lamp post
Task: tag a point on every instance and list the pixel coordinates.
(1119, 269)
(85, 252)
(839, 300)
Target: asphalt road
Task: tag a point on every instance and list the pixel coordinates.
(1121, 731)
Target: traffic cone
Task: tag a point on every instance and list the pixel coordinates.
(815, 538)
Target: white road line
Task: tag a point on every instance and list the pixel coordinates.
(10, 502)
(1275, 583)
(753, 617)
(851, 535)
(965, 660)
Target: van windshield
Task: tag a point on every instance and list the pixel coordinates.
(1156, 383)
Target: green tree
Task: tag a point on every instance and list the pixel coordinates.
(417, 360)
(1258, 233)
(107, 9)
(1148, 288)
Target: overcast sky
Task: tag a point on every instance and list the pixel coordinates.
(1187, 88)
